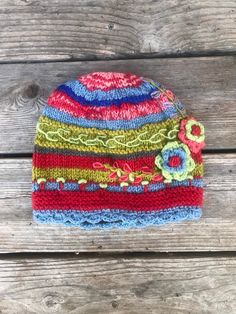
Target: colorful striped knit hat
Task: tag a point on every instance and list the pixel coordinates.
(116, 150)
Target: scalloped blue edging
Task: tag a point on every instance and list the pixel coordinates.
(115, 218)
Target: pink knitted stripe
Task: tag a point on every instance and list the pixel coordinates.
(106, 81)
(126, 111)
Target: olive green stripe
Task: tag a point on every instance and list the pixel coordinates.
(53, 134)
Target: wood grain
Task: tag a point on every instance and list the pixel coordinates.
(69, 29)
(216, 231)
(118, 285)
(205, 85)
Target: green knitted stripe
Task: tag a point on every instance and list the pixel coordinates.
(53, 134)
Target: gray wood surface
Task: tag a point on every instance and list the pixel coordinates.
(205, 85)
(120, 285)
(44, 43)
(216, 231)
(69, 29)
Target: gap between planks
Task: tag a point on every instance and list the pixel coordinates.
(142, 56)
(112, 255)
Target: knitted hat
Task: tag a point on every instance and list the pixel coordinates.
(116, 150)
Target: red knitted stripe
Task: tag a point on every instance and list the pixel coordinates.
(102, 199)
(109, 80)
(126, 111)
(41, 160)
(197, 157)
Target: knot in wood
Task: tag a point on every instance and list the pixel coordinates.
(31, 91)
(53, 301)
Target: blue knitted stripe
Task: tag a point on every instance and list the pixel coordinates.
(79, 93)
(64, 117)
(91, 187)
(115, 218)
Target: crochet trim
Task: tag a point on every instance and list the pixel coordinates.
(107, 219)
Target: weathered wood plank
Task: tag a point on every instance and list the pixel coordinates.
(68, 29)
(118, 285)
(216, 231)
(205, 85)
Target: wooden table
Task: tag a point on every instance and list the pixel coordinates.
(185, 268)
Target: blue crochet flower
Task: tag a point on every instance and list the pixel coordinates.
(175, 162)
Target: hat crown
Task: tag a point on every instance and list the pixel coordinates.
(114, 96)
(104, 89)
(116, 149)
(106, 81)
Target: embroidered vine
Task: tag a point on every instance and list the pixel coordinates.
(113, 142)
(170, 96)
(126, 176)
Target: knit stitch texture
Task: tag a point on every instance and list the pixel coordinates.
(116, 150)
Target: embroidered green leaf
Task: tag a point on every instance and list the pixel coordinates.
(131, 177)
(144, 182)
(40, 180)
(118, 172)
(61, 180)
(122, 184)
(103, 185)
(82, 181)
